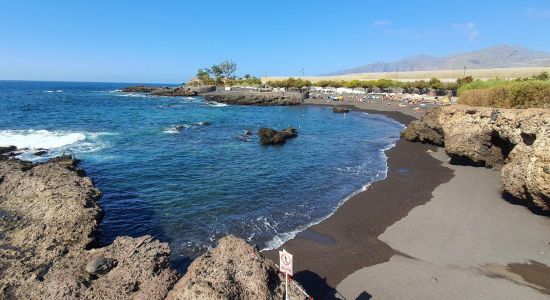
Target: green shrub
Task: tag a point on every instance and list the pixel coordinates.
(506, 94)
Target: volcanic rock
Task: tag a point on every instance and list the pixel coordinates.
(255, 98)
(515, 139)
(173, 92)
(139, 89)
(269, 136)
(201, 89)
(51, 219)
(7, 149)
(48, 219)
(232, 270)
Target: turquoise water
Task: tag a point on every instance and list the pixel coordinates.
(192, 186)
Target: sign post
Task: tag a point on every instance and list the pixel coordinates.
(285, 265)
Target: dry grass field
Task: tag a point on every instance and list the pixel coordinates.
(443, 75)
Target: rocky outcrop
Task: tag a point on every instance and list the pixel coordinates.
(49, 214)
(255, 98)
(232, 270)
(161, 91)
(168, 91)
(173, 92)
(270, 136)
(136, 268)
(139, 89)
(201, 89)
(7, 150)
(340, 109)
(515, 139)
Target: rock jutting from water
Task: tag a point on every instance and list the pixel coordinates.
(255, 98)
(269, 136)
(515, 140)
(49, 215)
(340, 109)
(7, 149)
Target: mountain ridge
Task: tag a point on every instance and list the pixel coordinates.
(501, 56)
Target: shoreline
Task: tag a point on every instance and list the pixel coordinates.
(428, 230)
(462, 244)
(325, 253)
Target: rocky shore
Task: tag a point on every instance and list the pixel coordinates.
(209, 92)
(516, 141)
(255, 98)
(49, 214)
(168, 91)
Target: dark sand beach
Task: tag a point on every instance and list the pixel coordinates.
(347, 241)
(363, 250)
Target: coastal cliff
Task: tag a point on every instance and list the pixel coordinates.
(49, 214)
(513, 140)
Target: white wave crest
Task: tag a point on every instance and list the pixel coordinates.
(176, 128)
(57, 142)
(35, 139)
(136, 95)
(216, 104)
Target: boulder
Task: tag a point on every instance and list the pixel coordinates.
(40, 152)
(340, 109)
(232, 270)
(100, 265)
(515, 140)
(269, 136)
(7, 149)
(427, 130)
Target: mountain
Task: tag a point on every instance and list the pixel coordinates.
(503, 56)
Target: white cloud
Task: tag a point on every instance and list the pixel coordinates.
(469, 29)
(538, 13)
(381, 23)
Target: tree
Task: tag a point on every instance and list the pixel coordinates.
(203, 75)
(383, 84)
(225, 69)
(323, 83)
(367, 85)
(353, 84)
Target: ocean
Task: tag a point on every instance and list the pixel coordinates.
(167, 173)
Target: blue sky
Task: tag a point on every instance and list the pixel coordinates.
(167, 41)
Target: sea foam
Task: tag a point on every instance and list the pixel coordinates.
(57, 142)
(35, 139)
